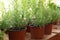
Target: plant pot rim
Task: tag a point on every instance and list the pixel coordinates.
(16, 30)
(37, 26)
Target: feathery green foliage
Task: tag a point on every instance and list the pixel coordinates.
(24, 11)
(37, 12)
(54, 11)
(1, 35)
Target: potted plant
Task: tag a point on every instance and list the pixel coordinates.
(37, 21)
(15, 21)
(19, 22)
(53, 13)
(55, 17)
(37, 28)
(18, 30)
(58, 22)
(48, 24)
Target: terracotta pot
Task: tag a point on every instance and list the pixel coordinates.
(28, 28)
(37, 32)
(17, 35)
(48, 29)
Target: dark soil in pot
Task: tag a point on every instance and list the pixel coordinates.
(48, 29)
(37, 32)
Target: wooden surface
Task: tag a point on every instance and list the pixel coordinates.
(28, 37)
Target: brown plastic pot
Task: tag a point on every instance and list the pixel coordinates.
(37, 32)
(17, 35)
(48, 29)
(28, 28)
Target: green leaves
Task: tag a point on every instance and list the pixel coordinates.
(24, 11)
(6, 20)
(54, 11)
(1, 6)
(1, 35)
(37, 12)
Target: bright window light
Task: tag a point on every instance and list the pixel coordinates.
(7, 3)
(57, 2)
